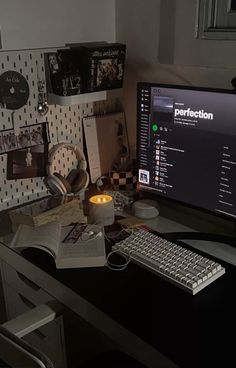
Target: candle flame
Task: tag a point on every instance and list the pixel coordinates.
(100, 199)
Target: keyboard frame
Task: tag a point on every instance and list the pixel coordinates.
(141, 261)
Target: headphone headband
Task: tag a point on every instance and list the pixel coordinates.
(82, 164)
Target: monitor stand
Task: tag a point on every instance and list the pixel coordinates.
(220, 246)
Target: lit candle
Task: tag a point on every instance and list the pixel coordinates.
(101, 209)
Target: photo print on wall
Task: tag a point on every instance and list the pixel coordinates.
(29, 136)
(27, 153)
(27, 162)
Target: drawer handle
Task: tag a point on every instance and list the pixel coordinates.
(27, 302)
(30, 305)
(28, 281)
(39, 334)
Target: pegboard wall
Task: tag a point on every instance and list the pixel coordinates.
(64, 123)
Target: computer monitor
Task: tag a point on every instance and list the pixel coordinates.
(186, 144)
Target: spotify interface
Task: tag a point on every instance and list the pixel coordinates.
(187, 145)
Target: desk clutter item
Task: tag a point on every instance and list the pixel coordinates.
(42, 106)
(65, 210)
(180, 266)
(123, 180)
(145, 209)
(85, 67)
(121, 200)
(75, 181)
(101, 209)
(72, 246)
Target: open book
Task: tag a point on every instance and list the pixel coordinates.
(71, 246)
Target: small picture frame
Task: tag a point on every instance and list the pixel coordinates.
(53, 62)
(28, 162)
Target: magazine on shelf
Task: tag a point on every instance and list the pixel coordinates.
(72, 246)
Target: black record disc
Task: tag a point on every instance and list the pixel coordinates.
(14, 90)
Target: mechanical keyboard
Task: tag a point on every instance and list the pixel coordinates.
(182, 267)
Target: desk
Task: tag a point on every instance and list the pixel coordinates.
(153, 320)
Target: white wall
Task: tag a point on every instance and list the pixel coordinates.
(210, 53)
(49, 23)
(144, 26)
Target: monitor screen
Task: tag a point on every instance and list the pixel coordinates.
(186, 144)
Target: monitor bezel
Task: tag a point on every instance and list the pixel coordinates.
(149, 193)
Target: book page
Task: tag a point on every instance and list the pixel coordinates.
(82, 249)
(81, 246)
(45, 237)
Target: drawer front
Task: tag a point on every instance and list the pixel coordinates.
(13, 302)
(49, 338)
(24, 285)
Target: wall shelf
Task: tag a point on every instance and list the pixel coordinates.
(84, 97)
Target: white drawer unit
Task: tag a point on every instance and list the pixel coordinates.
(21, 295)
(23, 285)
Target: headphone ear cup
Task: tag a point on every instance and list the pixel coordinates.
(72, 175)
(54, 185)
(63, 182)
(78, 179)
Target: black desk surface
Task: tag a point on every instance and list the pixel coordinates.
(193, 331)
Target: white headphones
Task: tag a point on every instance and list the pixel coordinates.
(76, 180)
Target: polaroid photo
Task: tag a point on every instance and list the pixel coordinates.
(24, 137)
(9, 140)
(36, 134)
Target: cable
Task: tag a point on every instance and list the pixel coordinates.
(117, 267)
(90, 235)
(84, 233)
(115, 235)
(122, 266)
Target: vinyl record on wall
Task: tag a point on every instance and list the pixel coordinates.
(14, 90)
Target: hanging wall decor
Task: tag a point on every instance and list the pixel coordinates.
(27, 163)
(29, 136)
(14, 90)
(64, 124)
(30, 161)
